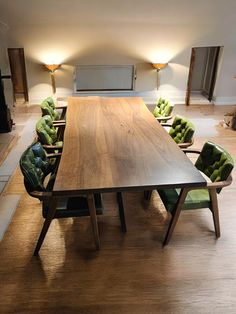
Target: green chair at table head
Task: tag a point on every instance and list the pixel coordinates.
(216, 164)
(48, 134)
(181, 131)
(163, 110)
(35, 166)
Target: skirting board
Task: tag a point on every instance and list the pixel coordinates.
(149, 97)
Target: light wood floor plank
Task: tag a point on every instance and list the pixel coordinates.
(132, 273)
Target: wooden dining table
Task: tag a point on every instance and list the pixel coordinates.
(114, 145)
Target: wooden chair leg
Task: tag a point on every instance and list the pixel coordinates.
(175, 215)
(121, 211)
(93, 217)
(215, 211)
(46, 225)
(63, 114)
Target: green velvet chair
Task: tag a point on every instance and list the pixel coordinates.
(48, 110)
(216, 165)
(181, 130)
(163, 110)
(51, 102)
(48, 134)
(36, 168)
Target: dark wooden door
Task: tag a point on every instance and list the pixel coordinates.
(18, 72)
(190, 75)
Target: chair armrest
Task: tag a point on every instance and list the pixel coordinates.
(53, 147)
(55, 155)
(191, 151)
(164, 118)
(220, 184)
(62, 124)
(166, 124)
(40, 195)
(61, 106)
(185, 145)
(56, 122)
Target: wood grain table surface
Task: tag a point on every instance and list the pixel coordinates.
(115, 144)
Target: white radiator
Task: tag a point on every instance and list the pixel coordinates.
(105, 77)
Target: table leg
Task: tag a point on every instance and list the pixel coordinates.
(46, 225)
(93, 217)
(121, 211)
(175, 215)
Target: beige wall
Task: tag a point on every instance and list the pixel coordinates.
(122, 32)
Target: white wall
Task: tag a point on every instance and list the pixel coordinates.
(122, 32)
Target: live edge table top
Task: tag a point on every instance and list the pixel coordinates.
(115, 144)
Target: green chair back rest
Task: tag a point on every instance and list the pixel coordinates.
(215, 162)
(35, 166)
(47, 110)
(182, 130)
(46, 132)
(50, 101)
(163, 108)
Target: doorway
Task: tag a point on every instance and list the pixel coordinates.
(202, 74)
(18, 72)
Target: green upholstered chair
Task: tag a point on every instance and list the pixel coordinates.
(163, 110)
(52, 111)
(51, 102)
(48, 134)
(36, 167)
(48, 110)
(216, 165)
(181, 130)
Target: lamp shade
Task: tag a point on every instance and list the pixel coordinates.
(52, 67)
(159, 66)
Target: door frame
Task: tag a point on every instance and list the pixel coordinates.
(190, 74)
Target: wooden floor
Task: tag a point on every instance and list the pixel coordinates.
(132, 273)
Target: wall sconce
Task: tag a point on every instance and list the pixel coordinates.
(52, 68)
(159, 66)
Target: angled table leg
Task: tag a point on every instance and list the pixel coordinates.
(121, 211)
(175, 215)
(93, 217)
(46, 225)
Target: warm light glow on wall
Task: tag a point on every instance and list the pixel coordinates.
(53, 57)
(161, 56)
(164, 53)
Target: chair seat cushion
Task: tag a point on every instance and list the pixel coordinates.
(195, 198)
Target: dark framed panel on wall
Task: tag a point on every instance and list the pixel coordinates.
(18, 72)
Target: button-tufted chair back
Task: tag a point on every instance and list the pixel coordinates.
(47, 133)
(215, 162)
(163, 108)
(48, 110)
(181, 130)
(35, 166)
(50, 101)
